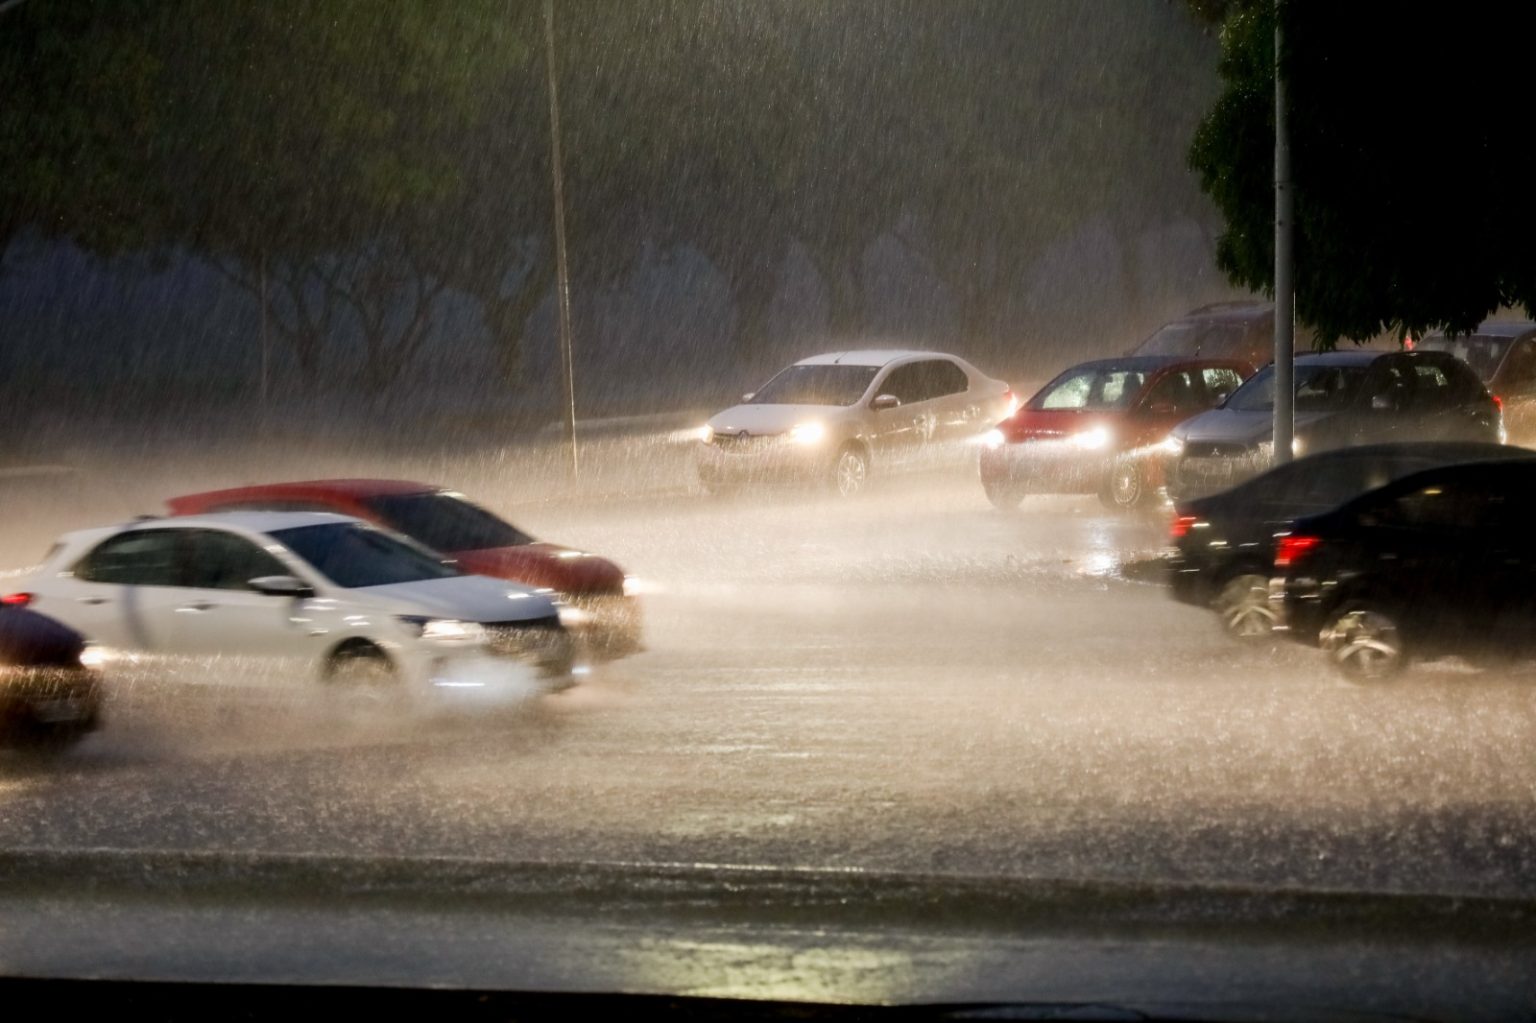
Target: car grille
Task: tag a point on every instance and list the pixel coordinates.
(1216, 449)
(741, 443)
(543, 641)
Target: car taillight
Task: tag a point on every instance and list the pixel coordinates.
(1182, 525)
(1292, 549)
(16, 600)
(1498, 402)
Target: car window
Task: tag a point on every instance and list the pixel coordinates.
(147, 557)
(1482, 352)
(272, 504)
(908, 382)
(1518, 375)
(445, 522)
(1390, 382)
(1220, 382)
(816, 384)
(1432, 385)
(353, 555)
(1320, 387)
(217, 560)
(943, 378)
(1098, 388)
(1181, 390)
(1456, 503)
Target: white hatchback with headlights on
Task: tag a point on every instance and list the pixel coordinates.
(835, 419)
(312, 599)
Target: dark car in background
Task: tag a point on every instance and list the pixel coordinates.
(1092, 428)
(1343, 399)
(1503, 354)
(1436, 563)
(1223, 545)
(1223, 330)
(50, 678)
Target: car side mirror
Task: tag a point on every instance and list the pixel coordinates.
(1162, 408)
(749, 396)
(281, 586)
(885, 401)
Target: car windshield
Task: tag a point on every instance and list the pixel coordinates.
(445, 522)
(1320, 387)
(880, 687)
(1483, 352)
(1099, 388)
(816, 384)
(354, 556)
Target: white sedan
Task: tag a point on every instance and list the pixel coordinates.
(836, 418)
(307, 596)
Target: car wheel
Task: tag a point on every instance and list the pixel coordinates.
(1365, 643)
(1243, 605)
(1125, 485)
(363, 676)
(1004, 496)
(850, 472)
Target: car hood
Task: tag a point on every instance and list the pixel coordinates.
(770, 419)
(470, 598)
(1230, 426)
(546, 565)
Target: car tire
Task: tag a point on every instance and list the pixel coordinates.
(850, 471)
(364, 678)
(1242, 605)
(1365, 642)
(1125, 486)
(1005, 497)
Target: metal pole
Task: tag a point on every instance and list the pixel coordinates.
(265, 359)
(1285, 284)
(562, 274)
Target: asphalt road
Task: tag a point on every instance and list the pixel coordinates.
(910, 682)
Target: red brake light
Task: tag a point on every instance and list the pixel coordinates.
(1498, 402)
(16, 600)
(1292, 549)
(1182, 525)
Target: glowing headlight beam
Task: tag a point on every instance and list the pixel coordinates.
(808, 433)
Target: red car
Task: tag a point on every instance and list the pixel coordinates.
(1097, 428)
(476, 540)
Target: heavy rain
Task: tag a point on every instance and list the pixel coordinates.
(508, 282)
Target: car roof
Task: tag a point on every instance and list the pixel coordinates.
(1494, 328)
(1350, 357)
(346, 489)
(1240, 310)
(255, 521)
(871, 357)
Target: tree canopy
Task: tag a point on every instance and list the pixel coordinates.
(1409, 138)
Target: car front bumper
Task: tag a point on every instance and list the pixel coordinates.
(1044, 466)
(64, 697)
(737, 460)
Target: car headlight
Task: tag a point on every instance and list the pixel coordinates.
(633, 587)
(1171, 446)
(993, 439)
(706, 433)
(444, 630)
(1095, 439)
(94, 656)
(572, 617)
(1298, 447)
(808, 433)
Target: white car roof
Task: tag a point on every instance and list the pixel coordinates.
(869, 357)
(254, 521)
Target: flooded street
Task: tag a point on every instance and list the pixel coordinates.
(909, 682)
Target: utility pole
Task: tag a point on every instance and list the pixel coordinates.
(1285, 281)
(265, 347)
(562, 273)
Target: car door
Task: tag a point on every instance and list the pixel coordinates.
(959, 413)
(1384, 410)
(1172, 398)
(121, 593)
(219, 614)
(900, 431)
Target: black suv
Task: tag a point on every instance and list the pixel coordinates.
(1223, 544)
(1440, 562)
